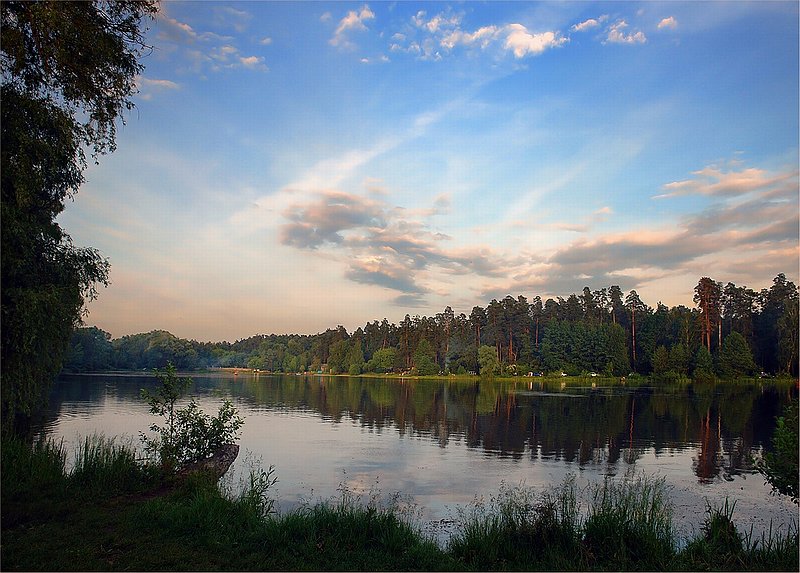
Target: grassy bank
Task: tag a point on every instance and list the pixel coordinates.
(110, 512)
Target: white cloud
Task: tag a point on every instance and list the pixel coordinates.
(433, 38)
(670, 22)
(253, 63)
(616, 34)
(437, 23)
(150, 87)
(483, 36)
(523, 43)
(266, 41)
(354, 21)
(589, 24)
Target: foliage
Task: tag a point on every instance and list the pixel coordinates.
(703, 365)
(188, 435)
(256, 495)
(629, 524)
(382, 361)
(781, 466)
(661, 360)
(519, 528)
(735, 357)
(104, 466)
(90, 350)
(48, 527)
(593, 332)
(68, 72)
(423, 359)
(487, 359)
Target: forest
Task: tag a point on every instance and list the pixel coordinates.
(732, 331)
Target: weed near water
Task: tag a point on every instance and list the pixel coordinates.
(53, 519)
(629, 525)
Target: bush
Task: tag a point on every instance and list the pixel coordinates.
(189, 435)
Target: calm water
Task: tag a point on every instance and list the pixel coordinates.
(445, 443)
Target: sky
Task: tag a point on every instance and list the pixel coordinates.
(290, 167)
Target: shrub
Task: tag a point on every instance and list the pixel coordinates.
(188, 435)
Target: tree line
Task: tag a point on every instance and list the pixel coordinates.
(732, 331)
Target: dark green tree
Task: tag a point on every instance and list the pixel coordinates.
(382, 360)
(68, 72)
(487, 359)
(678, 359)
(89, 350)
(735, 357)
(617, 351)
(661, 360)
(788, 327)
(703, 364)
(424, 359)
(355, 358)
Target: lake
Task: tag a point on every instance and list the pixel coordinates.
(444, 443)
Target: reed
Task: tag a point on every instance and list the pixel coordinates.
(53, 519)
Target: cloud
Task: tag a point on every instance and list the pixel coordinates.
(209, 51)
(589, 24)
(227, 16)
(482, 36)
(616, 34)
(354, 21)
(383, 245)
(523, 43)
(385, 273)
(229, 57)
(150, 87)
(597, 216)
(443, 33)
(323, 220)
(728, 231)
(670, 23)
(181, 32)
(265, 41)
(437, 23)
(715, 181)
(253, 63)
(744, 236)
(604, 211)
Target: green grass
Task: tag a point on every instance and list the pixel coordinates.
(103, 515)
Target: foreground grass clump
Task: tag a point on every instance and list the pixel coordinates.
(518, 529)
(628, 526)
(110, 512)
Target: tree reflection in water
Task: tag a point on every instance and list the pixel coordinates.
(574, 422)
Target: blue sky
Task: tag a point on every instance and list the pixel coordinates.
(294, 166)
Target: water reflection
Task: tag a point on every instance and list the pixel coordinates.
(602, 427)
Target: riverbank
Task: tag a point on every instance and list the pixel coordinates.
(107, 514)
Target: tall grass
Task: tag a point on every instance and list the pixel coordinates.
(629, 524)
(29, 467)
(721, 546)
(520, 529)
(104, 466)
(55, 519)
